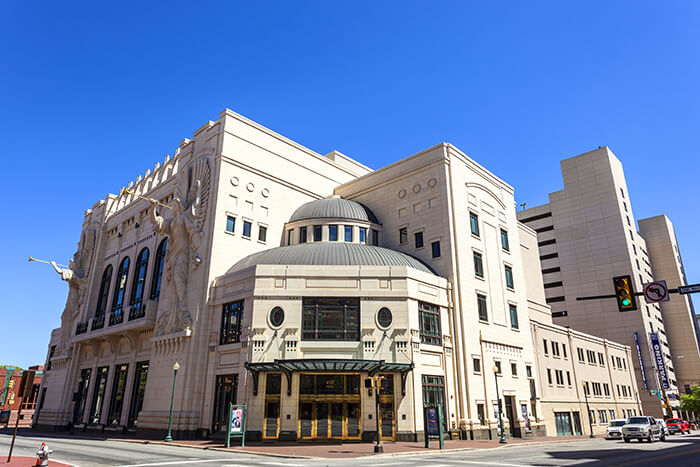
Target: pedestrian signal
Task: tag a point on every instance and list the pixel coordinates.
(624, 293)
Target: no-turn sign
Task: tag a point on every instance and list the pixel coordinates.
(655, 292)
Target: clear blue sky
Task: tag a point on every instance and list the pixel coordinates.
(93, 94)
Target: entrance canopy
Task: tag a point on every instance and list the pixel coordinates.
(287, 367)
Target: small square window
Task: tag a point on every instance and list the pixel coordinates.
(333, 233)
(230, 224)
(403, 235)
(246, 228)
(262, 233)
(419, 239)
(318, 233)
(302, 234)
(474, 223)
(436, 249)
(348, 233)
(504, 240)
(509, 277)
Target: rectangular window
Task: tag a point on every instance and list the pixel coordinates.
(513, 317)
(549, 376)
(480, 414)
(504, 240)
(403, 235)
(303, 234)
(262, 233)
(318, 233)
(509, 277)
(332, 233)
(375, 237)
(478, 265)
(581, 357)
(481, 307)
(434, 391)
(98, 395)
(568, 378)
(363, 235)
(528, 371)
(436, 249)
(586, 388)
(348, 233)
(290, 236)
(601, 359)
(563, 350)
(231, 323)
(477, 365)
(499, 370)
(555, 348)
(474, 223)
(246, 228)
(331, 319)
(429, 317)
(606, 389)
(230, 224)
(560, 377)
(418, 236)
(592, 415)
(514, 369)
(544, 346)
(117, 400)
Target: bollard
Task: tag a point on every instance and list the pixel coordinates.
(42, 455)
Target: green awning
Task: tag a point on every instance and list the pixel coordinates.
(287, 367)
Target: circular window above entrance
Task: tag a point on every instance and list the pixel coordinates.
(276, 317)
(384, 318)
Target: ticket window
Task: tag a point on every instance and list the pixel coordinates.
(273, 389)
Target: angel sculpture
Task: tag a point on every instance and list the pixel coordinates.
(77, 276)
(184, 231)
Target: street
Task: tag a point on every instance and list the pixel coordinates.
(676, 451)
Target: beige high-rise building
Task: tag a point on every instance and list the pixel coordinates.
(586, 236)
(678, 313)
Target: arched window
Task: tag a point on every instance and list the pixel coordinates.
(139, 284)
(119, 290)
(158, 269)
(104, 292)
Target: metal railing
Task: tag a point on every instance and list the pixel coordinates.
(81, 328)
(98, 322)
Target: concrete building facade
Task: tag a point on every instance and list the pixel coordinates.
(282, 278)
(586, 236)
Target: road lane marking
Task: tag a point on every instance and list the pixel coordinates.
(173, 463)
(281, 463)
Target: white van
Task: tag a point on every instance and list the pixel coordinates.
(614, 430)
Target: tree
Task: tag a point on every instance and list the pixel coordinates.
(691, 402)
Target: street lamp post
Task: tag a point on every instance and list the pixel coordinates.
(169, 438)
(377, 380)
(588, 410)
(500, 410)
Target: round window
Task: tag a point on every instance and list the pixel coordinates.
(384, 317)
(276, 316)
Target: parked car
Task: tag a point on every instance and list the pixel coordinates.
(664, 427)
(614, 430)
(677, 425)
(642, 428)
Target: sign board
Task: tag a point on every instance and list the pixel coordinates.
(641, 363)
(433, 423)
(431, 416)
(525, 417)
(658, 354)
(236, 423)
(655, 292)
(4, 417)
(26, 384)
(689, 288)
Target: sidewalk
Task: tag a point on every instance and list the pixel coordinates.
(23, 461)
(351, 450)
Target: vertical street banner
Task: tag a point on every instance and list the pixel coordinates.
(641, 362)
(657, 352)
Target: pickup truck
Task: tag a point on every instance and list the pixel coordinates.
(643, 428)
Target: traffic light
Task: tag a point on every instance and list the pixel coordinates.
(624, 293)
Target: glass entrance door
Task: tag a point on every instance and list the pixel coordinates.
(226, 388)
(337, 420)
(321, 420)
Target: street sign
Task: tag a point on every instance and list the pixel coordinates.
(655, 292)
(658, 355)
(689, 288)
(236, 426)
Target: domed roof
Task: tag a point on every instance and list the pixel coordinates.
(331, 254)
(338, 208)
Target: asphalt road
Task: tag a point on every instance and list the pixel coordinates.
(676, 451)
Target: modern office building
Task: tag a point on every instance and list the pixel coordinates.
(678, 314)
(281, 278)
(586, 236)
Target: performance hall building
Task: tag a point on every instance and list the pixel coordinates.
(283, 278)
